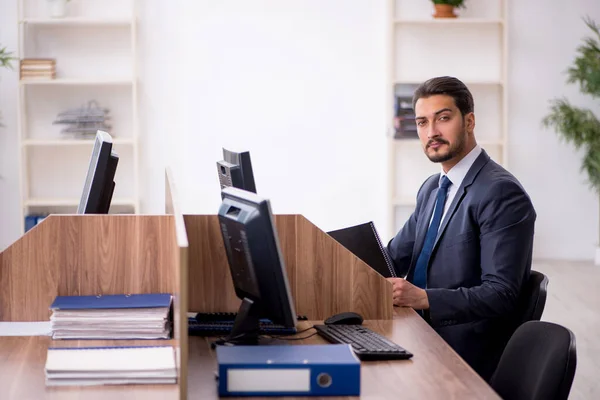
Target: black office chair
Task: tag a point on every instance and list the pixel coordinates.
(533, 298)
(538, 363)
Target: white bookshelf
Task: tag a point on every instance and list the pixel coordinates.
(71, 142)
(473, 48)
(72, 202)
(79, 82)
(95, 48)
(450, 21)
(77, 21)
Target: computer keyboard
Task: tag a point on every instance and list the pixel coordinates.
(367, 345)
(217, 324)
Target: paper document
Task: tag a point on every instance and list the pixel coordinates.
(41, 328)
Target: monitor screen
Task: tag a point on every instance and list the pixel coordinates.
(256, 264)
(235, 170)
(99, 183)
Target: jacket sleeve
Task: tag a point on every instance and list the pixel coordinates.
(506, 219)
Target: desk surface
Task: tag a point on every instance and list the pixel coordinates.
(435, 370)
(22, 362)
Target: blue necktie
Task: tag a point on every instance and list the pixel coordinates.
(420, 274)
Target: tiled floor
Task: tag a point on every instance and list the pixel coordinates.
(574, 301)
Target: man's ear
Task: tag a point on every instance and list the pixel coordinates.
(470, 122)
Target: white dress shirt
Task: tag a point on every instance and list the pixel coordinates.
(457, 175)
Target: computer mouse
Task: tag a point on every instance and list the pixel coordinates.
(345, 318)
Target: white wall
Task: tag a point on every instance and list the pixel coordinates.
(543, 39)
(10, 218)
(301, 85)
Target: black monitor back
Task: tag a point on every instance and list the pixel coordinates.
(235, 170)
(99, 183)
(254, 255)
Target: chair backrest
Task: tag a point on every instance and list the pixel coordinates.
(538, 362)
(533, 298)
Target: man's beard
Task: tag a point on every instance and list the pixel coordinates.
(452, 150)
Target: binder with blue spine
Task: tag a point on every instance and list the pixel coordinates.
(115, 316)
(288, 370)
(111, 301)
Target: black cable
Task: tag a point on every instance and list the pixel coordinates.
(293, 338)
(224, 341)
(297, 333)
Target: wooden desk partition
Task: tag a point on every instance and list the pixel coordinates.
(179, 242)
(325, 278)
(91, 255)
(68, 255)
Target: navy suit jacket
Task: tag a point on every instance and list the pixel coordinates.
(480, 260)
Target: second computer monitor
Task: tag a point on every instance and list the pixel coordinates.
(235, 170)
(256, 264)
(99, 183)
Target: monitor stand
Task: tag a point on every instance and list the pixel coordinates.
(246, 328)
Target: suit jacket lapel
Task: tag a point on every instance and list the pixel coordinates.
(462, 190)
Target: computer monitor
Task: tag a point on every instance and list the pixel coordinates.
(99, 183)
(256, 264)
(235, 170)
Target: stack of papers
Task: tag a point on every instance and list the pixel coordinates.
(110, 366)
(136, 316)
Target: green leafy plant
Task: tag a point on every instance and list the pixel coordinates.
(454, 3)
(577, 125)
(5, 59)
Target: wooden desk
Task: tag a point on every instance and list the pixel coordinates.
(434, 372)
(22, 361)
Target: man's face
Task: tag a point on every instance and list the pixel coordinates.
(442, 129)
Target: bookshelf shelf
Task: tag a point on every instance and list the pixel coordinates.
(77, 21)
(449, 21)
(466, 81)
(78, 82)
(71, 202)
(71, 142)
(417, 142)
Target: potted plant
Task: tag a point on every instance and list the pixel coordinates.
(57, 8)
(576, 125)
(5, 59)
(445, 8)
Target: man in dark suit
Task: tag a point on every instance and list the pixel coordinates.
(466, 250)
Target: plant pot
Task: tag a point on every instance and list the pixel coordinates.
(444, 11)
(57, 8)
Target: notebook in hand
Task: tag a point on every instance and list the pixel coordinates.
(110, 366)
(136, 316)
(364, 241)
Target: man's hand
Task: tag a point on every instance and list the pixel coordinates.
(408, 295)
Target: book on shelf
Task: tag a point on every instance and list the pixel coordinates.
(405, 125)
(37, 68)
(89, 366)
(32, 220)
(123, 316)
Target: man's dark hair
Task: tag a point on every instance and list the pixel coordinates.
(449, 86)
